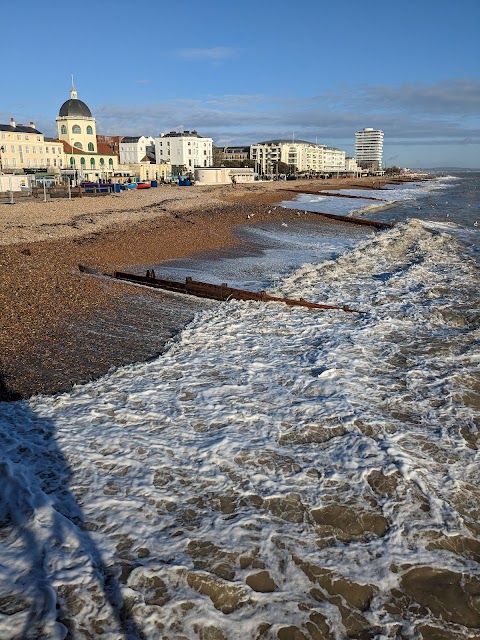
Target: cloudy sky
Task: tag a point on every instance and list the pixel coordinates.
(250, 71)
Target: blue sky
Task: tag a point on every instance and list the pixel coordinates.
(242, 72)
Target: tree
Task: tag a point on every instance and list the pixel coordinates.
(217, 155)
(392, 170)
(283, 167)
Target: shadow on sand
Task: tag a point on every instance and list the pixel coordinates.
(50, 565)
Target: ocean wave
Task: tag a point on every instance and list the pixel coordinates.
(272, 456)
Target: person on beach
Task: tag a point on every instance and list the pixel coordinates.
(234, 181)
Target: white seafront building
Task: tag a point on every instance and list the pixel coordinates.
(301, 156)
(184, 149)
(135, 149)
(369, 148)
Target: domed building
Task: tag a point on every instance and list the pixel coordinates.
(85, 156)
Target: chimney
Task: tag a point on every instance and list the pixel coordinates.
(12, 122)
(32, 124)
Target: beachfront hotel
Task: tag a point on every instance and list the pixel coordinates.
(369, 149)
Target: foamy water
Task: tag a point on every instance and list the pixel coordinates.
(276, 473)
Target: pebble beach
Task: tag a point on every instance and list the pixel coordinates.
(44, 299)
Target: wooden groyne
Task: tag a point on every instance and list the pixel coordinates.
(354, 220)
(213, 291)
(313, 192)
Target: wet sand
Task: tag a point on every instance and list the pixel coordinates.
(59, 327)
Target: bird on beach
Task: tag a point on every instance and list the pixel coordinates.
(284, 224)
(475, 224)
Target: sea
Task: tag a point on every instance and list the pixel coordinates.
(277, 472)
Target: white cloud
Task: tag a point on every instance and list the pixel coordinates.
(213, 54)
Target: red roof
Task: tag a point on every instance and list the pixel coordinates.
(102, 149)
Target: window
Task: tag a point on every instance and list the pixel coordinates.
(92, 163)
(35, 163)
(46, 149)
(41, 150)
(76, 129)
(14, 161)
(29, 163)
(27, 137)
(110, 162)
(72, 162)
(89, 130)
(78, 145)
(13, 148)
(102, 161)
(54, 162)
(38, 139)
(19, 137)
(42, 162)
(63, 129)
(82, 161)
(27, 149)
(91, 147)
(34, 149)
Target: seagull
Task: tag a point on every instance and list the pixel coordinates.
(269, 211)
(446, 215)
(284, 224)
(475, 224)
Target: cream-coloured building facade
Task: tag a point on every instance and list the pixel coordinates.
(24, 147)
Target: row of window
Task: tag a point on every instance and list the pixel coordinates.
(92, 162)
(195, 144)
(76, 129)
(178, 151)
(54, 150)
(3, 136)
(31, 163)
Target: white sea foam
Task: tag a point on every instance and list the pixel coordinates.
(227, 456)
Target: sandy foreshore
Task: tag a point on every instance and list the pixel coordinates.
(48, 308)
